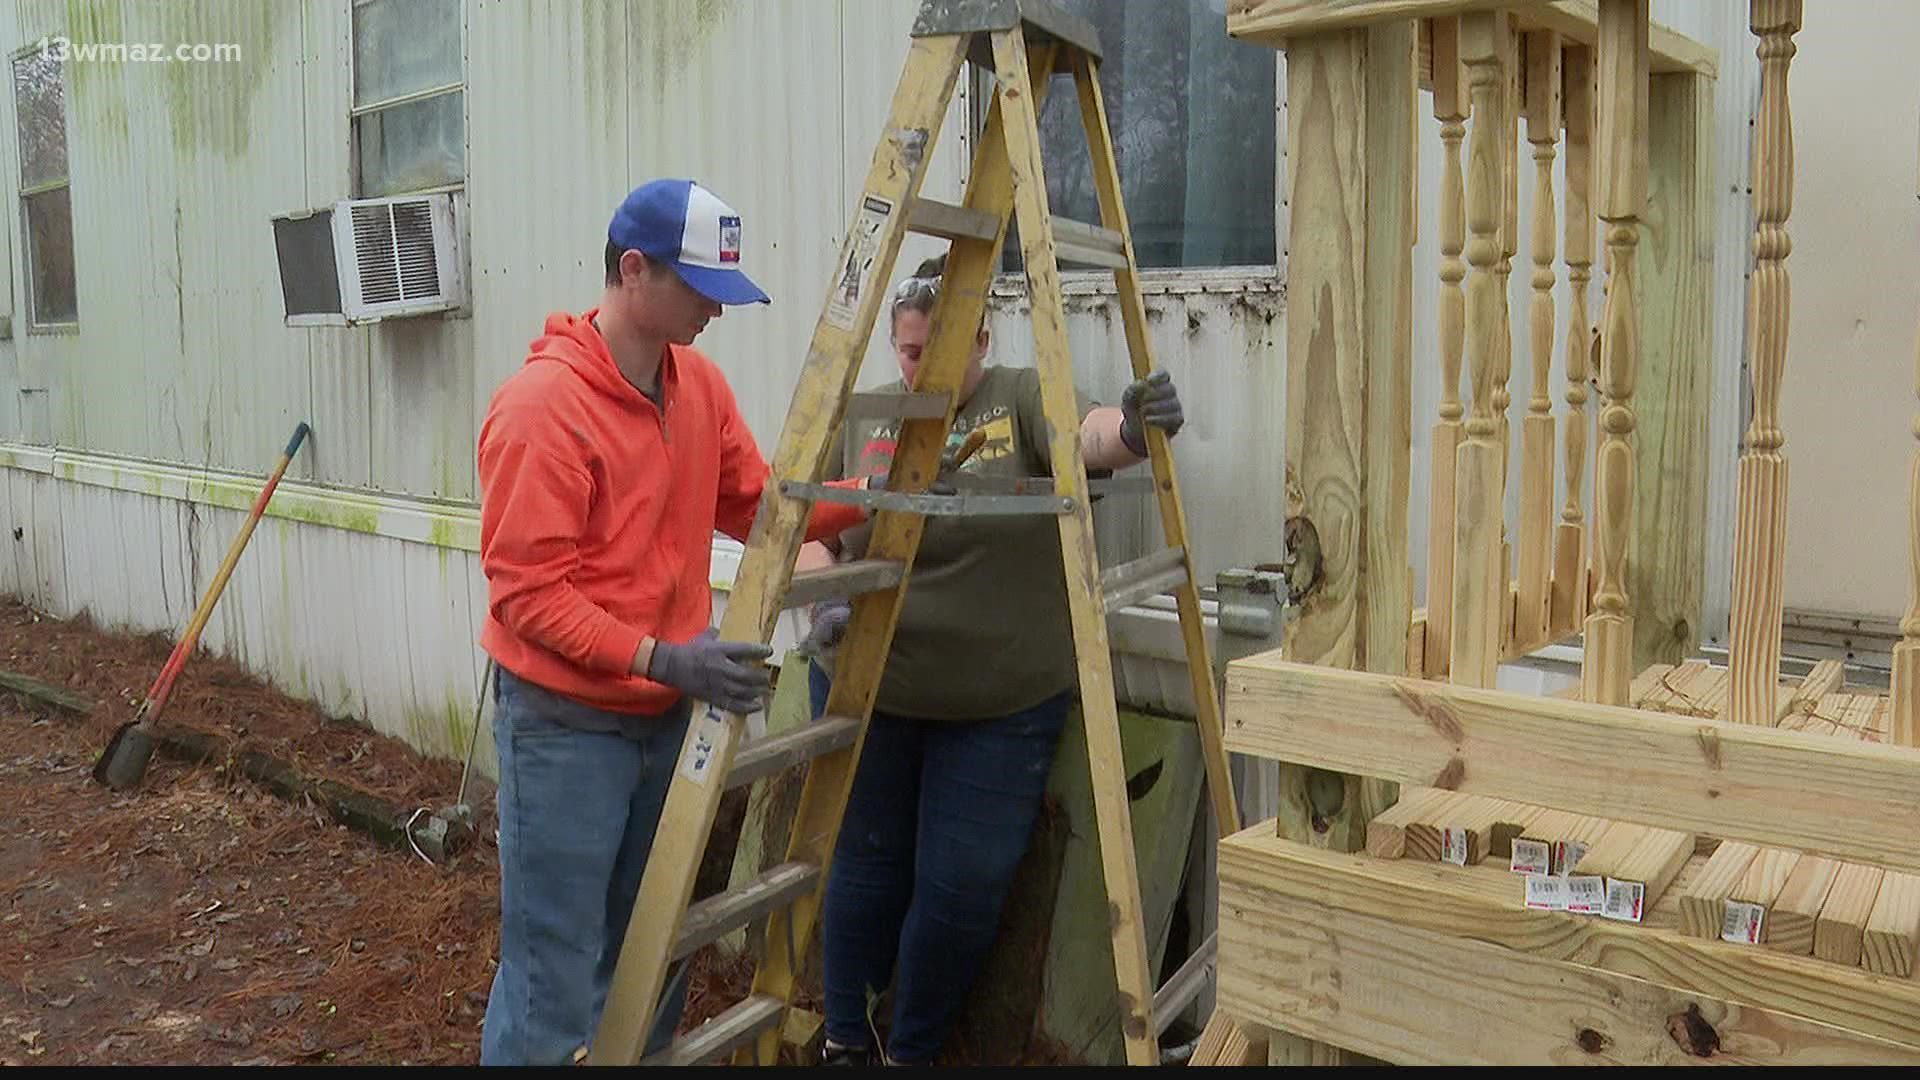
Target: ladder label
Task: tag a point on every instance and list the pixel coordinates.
(856, 274)
(696, 761)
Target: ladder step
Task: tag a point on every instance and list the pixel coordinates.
(723, 1033)
(1130, 583)
(763, 757)
(843, 580)
(717, 916)
(964, 505)
(1090, 245)
(907, 405)
(935, 218)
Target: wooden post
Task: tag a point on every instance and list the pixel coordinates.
(1478, 579)
(1537, 434)
(1351, 101)
(1607, 671)
(1905, 721)
(1666, 562)
(1570, 543)
(1450, 108)
(1759, 566)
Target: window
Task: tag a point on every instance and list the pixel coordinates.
(46, 206)
(1192, 113)
(409, 108)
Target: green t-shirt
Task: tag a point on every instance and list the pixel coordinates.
(985, 629)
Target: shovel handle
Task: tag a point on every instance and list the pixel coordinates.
(163, 685)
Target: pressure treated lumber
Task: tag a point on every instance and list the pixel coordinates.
(1225, 1042)
(1645, 859)
(1827, 677)
(1538, 432)
(1387, 832)
(1735, 781)
(1704, 904)
(1451, 108)
(1760, 537)
(1620, 195)
(1280, 900)
(1905, 692)
(1569, 602)
(1893, 927)
(1795, 911)
(1751, 900)
(1839, 933)
(1275, 22)
(1478, 578)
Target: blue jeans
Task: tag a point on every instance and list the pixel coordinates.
(577, 816)
(939, 817)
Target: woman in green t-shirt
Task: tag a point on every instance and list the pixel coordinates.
(977, 686)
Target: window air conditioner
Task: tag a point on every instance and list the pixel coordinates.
(364, 260)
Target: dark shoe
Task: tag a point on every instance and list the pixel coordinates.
(845, 1055)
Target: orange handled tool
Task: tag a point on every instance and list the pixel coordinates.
(124, 762)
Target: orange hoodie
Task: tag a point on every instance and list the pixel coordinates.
(597, 512)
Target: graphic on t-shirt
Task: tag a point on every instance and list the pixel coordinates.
(876, 454)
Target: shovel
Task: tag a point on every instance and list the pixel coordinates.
(124, 762)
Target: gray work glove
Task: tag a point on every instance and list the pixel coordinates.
(715, 671)
(1151, 400)
(830, 618)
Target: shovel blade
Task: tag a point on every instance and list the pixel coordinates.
(123, 764)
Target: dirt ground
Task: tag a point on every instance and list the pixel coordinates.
(203, 920)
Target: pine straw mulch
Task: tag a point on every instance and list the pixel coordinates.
(201, 920)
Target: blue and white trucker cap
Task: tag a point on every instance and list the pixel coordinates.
(687, 227)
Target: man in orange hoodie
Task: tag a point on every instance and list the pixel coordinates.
(606, 464)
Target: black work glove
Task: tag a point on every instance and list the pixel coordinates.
(715, 671)
(830, 618)
(1151, 400)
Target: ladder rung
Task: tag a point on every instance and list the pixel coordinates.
(1185, 985)
(907, 405)
(722, 1033)
(935, 218)
(1130, 583)
(930, 505)
(717, 916)
(1091, 245)
(843, 580)
(763, 757)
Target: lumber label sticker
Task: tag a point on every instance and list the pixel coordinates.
(856, 273)
(1531, 857)
(1567, 855)
(696, 760)
(1453, 846)
(1547, 892)
(1625, 900)
(1586, 895)
(1742, 923)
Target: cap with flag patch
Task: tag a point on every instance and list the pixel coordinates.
(684, 225)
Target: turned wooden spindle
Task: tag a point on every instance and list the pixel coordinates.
(1906, 655)
(1607, 670)
(1569, 602)
(1537, 432)
(1450, 108)
(1479, 584)
(1759, 557)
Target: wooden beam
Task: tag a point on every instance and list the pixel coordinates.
(1569, 604)
(1893, 927)
(1373, 954)
(1839, 934)
(1272, 22)
(1739, 782)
